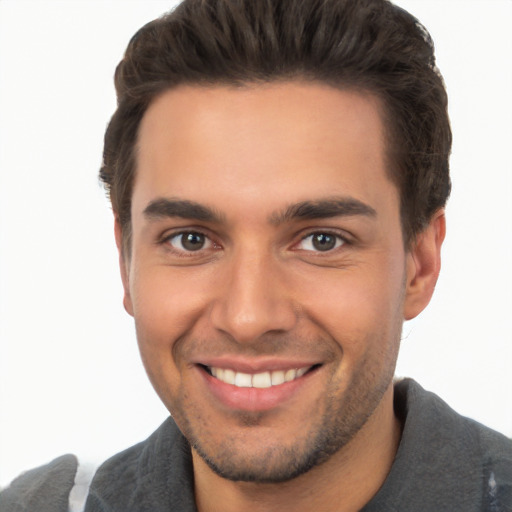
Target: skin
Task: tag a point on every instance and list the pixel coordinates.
(259, 293)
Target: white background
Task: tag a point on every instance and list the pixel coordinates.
(70, 376)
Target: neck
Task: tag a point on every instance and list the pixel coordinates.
(344, 483)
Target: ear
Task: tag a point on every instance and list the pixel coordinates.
(424, 265)
(124, 266)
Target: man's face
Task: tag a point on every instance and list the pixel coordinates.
(267, 273)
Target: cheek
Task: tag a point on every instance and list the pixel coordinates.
(166, 302)
(359, 303)
(166, 309)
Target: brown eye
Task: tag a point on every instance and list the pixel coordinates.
(321, 242)
(190, 241)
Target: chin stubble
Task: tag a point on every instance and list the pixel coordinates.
(335, 425)
(339, 423)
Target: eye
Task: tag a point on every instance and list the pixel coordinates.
(190, 241)
(320, 242)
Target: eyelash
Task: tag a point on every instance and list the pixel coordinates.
(340, 241)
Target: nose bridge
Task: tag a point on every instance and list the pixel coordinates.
(253, 299)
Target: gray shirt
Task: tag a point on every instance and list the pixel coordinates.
(445, 463)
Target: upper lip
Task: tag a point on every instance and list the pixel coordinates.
(256, 365)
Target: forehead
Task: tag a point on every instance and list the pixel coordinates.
(290, 141)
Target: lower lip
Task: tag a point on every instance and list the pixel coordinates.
(254, 399)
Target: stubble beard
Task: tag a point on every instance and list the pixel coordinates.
(339, 423)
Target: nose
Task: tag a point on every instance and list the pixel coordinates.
(253, 299)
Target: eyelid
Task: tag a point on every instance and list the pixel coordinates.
(180, 230)
(167, 236)
(341, 236)
(181, 236)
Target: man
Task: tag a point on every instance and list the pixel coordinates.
(278, 173)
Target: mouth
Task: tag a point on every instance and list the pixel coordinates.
(237, 384)
(261, 380)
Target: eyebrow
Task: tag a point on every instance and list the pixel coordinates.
(323, 209)
(305, 210)
(162, 208)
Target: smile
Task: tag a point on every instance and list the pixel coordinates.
(257, 380)
(256, 385)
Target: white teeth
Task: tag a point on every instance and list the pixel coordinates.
(301, 372)
(257, 380)
(243, 380)
(290, 375)
(216, 372)
(261, 380)
(229, 377)
(277, 378)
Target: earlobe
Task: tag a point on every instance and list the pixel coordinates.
(123, 267)
(424, 265)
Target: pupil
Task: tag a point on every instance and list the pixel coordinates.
(323, 242)
(193, 241)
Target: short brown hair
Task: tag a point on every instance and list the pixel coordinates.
(367, 45)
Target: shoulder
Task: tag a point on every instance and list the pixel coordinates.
(153, 475)
(45, 489)
(456, 455)
(115, 476)
(423, 409)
